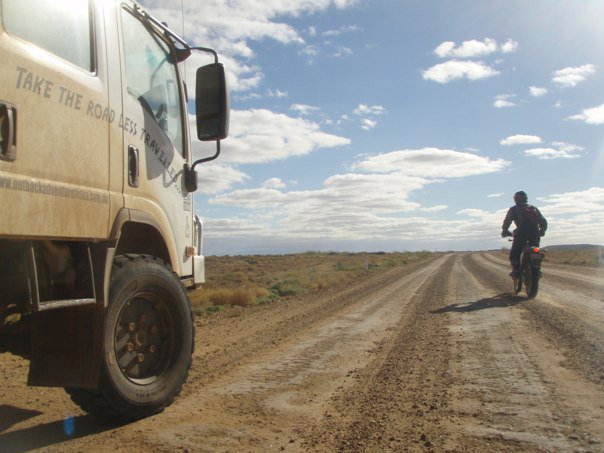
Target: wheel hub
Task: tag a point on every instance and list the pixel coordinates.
(141, 343)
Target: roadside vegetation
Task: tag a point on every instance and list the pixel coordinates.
(579, 255)
(592, 256)
(257, 279)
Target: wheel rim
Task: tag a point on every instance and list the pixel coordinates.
(143, 339)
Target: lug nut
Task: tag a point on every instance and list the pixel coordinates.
(131, 327)
(141, 357)
(152, 348)
(130, 347)
(153, 329)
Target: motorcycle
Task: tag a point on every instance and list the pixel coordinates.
(530, 270)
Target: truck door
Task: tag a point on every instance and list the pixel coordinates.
(54, 173)
(155, 135)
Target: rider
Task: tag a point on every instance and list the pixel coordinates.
(530, 226)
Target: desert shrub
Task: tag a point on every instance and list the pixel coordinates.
(221, 296)
(287, 287)
(242, 297)
(261, 292)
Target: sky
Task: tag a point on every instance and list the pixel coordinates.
(399, 125)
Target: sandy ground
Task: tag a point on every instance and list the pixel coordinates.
(436, 356)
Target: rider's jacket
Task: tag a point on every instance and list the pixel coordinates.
(527, 218)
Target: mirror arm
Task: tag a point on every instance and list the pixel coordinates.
(189, 171)
(206, 49)
(207, 159)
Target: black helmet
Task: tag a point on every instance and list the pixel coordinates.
(520, 197)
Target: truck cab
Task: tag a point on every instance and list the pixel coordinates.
(99, 240)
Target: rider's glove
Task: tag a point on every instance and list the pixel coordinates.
(506, 233)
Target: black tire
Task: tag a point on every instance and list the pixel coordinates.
(517, 284)
(148, 341)
(532, 282)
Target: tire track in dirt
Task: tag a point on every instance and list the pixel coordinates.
(567, 317)
(512, 391)
(257, 372)
(288, 386)
(226, 339)
(590, 281)
(400, 400)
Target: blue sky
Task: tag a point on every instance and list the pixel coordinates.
(400, 125)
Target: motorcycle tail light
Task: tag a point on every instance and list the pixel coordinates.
(536, 250)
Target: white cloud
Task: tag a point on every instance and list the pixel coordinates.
(467, 49)
(586, 201)
(277, 94)
(537, 91)
(340, 30)
(349, 206)
(214, 177)
(341, 195)
(431, 163)
(572, 76)
(258, 136)
(503, 101)
(342, 52)
(495, 195)
(459, 69)
(558, 150)
(273, 183)
(304, 109)
(520, 140)
(368, 124)
(594, 115)
(509, 46)
(309, 51)
(364, 109)
(341, 212)
(471, 212)
(229, 27)
(434, 209)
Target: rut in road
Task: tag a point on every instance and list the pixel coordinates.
(569, 311)
(466, 371)
(271, 398)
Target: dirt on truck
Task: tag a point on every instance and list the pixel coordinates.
(99, 241)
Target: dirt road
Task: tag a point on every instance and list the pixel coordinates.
(436, 356)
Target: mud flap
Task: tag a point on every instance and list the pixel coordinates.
(66, 347)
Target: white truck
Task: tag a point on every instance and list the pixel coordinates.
(99, 240)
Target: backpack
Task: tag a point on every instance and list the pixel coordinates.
(528, 217)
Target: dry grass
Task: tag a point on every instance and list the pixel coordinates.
(244, 280)
(591, 256)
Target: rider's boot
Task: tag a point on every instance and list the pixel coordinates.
(515, 271)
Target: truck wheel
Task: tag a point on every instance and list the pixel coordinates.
(148, 341)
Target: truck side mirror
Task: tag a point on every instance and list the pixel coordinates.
(212, 103)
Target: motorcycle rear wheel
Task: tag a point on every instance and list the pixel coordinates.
(532, 282)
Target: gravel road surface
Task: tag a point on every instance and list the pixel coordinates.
(439, 355)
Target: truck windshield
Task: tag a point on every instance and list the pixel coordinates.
(152, 78)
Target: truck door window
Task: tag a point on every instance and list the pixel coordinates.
(151, 77)
(62, 27)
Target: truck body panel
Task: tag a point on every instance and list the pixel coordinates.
(98, 236)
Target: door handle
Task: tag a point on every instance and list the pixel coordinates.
(8, 139)
(133, 166)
